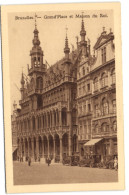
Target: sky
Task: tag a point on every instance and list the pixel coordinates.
(52, 34)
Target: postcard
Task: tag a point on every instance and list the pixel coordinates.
(63, 102)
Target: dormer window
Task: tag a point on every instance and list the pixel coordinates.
(103, 54)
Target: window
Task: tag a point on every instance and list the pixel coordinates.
(104, 127)
(85, 129)
(96, 110)
(39, 83)
(114, 106)
(104, 107)
(104, 80)
(83, 70)
(113, 76)
(84, 89)
(114, 126)
(96, 84)
(84, 108)
(103, 54)
(89, 108)
(80, 127)
(88, 87)
(89, 126)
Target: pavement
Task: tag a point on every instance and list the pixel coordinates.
(39, 173)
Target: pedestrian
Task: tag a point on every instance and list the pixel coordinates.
(29, 161)
(48, 161)
(115, 163)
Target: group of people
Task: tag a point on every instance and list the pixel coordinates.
(28, 159)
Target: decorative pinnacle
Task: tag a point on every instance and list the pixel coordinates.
(82, 32)
(103, 28)
(66, 49)
(66, 39)
(35, 21)
(22, 78)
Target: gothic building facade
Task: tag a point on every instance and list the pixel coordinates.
(69, 104)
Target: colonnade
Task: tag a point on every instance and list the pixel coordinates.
(53, 146)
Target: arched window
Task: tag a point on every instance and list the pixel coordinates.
(114, 126)
(96, 84)
(104, 127)
(104, 80)
(113, 75)
(96, 110)
(105, 109)
(39, 82)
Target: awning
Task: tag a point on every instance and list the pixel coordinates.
(14, 148)
(92, 142)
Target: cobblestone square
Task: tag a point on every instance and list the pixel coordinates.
(39, 173)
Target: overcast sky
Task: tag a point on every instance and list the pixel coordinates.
(52, 37)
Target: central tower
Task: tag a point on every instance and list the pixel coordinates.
(36, 72)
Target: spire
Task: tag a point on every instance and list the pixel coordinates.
(82, 32)
(22, 80)
(36, 39)
(66, 49)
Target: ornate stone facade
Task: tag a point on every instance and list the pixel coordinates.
(63, 106)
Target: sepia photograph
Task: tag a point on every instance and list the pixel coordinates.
(62, 86)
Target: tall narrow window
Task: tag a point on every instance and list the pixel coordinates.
(114, 126)
(103, 80)
(96, 110)
(88, 87)
(96, 84)
(103, 54)
(83, 70)
(114, 106)
(104, 107)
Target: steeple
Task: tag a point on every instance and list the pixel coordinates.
(66, 49)
(22, 80)
(36, 53)
(36, 41)
(82, 32)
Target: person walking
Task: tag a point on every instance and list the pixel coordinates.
(29, 161)
(48, 161)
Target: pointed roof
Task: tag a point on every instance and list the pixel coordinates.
(66, 49)
(104, 37)
(82, 32)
